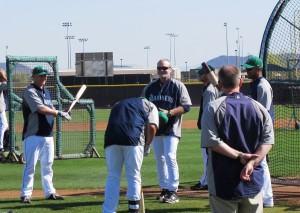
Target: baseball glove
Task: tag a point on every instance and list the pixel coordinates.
(163, 119)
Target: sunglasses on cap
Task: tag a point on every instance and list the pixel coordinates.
(163, 68)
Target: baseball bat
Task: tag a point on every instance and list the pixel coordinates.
(211, 75)
(78, 95)
(142, 203)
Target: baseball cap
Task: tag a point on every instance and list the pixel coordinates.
(40, 71)
(202, 71)
(252, 62)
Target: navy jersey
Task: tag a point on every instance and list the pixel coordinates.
(168, 95)
(35, 123)
(127, 121)
(243, 124)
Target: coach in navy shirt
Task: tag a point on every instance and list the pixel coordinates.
(238, 133)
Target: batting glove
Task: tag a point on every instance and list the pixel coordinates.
(146, 150)
(64, 115)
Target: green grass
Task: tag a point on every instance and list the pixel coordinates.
(90, 173)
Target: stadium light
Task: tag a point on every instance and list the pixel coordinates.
(170, 36)
(147, 48)
(67, 25)
(225, 25)
(69, 38)
(174, 49)
(238, 49)
(83, 40)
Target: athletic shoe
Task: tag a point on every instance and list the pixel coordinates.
(162, 195)
(198, 186)
(171, 197)
(55, 197)
(26, 199)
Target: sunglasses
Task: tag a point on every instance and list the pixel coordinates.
(163, 68)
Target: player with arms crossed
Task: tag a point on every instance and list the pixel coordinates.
(171, 97)
(238, 132)
(38, 114)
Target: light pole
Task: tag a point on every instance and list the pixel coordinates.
(170, 36)
(242, 49)
(225, 24)
(238, 43)
(69, 38)
(186, 70)
(147, 48)
(83, 40)
(236, 60)
(6, 49)
(174, 49)
(67, 25)
(121, 62)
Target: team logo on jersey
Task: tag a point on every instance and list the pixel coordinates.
(167, 98)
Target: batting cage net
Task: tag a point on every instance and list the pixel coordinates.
(73, 139)
(280, 51)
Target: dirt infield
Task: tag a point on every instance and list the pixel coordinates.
(283, 194)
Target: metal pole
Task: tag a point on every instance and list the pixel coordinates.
(170, 36)
(121, 62)
(67, 25)
(174, 49)
(242, 49)
(225, 24)
(69, 38)
(186, 70)
(236, 60)
(147, 49)
(6, 49)
(238, 42)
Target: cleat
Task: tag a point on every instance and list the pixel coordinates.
(198, 186)
(55, 197)
(162, 195)
(26, 199)
(171, 197)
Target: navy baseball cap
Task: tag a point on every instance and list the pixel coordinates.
(252, 62)
(40, 71)
(202, 71)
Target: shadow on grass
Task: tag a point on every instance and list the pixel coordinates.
(50, 205)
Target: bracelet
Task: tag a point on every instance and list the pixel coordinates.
(240, 156)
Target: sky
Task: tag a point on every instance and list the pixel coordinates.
(126, 27)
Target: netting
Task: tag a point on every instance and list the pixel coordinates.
(280, 51)
(73, 139)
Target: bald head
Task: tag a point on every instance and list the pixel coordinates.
(229, 77)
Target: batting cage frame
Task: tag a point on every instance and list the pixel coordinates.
(280, 51)
(73, 139)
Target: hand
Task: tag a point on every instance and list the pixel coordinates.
(64, 115)
(246, 157)
(246, 172)
(147, 149)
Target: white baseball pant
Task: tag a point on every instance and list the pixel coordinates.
(165, 151)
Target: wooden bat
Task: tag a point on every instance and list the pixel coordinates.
(78, 95)
(142, 203)
(211, 75)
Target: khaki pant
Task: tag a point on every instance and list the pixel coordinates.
(246, 205)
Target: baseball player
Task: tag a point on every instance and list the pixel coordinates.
(3, 119)
(238, 133)
(261, 91)
(38, 114)
(209, 94)
(132, 123)
(171, 97)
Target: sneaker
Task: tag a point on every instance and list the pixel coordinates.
(26, 199)
(171, 197)
(55, 197)
(162, 195)
(198, 186)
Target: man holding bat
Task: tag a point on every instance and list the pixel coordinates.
(38, 114)
(209, 93)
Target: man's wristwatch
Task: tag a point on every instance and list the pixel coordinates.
(240, 156)
(169, 113)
